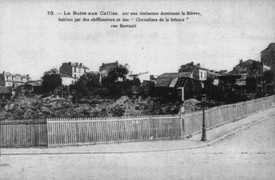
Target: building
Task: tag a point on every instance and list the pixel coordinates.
(107, 67)
(268, 56)
(34, 86)
(167, 79)
(67, 80)
(141, 76)
(251, 68)
(13, 80)
(179, 86)
(246, 77)
(198, 72)
(72, 71)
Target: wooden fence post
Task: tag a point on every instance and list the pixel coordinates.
(47, 133)
(181, 126)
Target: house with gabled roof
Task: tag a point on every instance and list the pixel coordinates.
(199, 73)
(179, 86)
(167, 79)
(13, 80)
(73, 70)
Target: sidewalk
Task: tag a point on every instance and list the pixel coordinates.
(213, 135)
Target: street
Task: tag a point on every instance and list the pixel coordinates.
(249, 154)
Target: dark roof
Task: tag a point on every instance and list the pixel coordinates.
(181, 82)
(4, 90)
(165, 79)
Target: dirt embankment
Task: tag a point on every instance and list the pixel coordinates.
(38, 107)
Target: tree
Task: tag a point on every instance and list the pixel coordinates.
(115, 74)
(114, 82)
(87, 84)
(51, 80)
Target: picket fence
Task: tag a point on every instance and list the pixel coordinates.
(81, 131)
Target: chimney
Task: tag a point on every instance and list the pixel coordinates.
(80, 65)
(241, 61)
(198, 64)
(152, 77)
(76, 64)
(3, 72)
(192, 63)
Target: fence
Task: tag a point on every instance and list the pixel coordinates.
(23, 133)
(87, 131)
(80, 131)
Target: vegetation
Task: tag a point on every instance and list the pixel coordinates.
(113, 85)
(51, 80)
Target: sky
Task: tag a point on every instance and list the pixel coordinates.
(32, 42)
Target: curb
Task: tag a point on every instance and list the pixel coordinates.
(151, 151)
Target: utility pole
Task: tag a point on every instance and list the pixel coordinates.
(203, 137)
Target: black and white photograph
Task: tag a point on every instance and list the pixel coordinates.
(137, 90)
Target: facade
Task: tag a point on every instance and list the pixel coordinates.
(268, 56)
(67, 80)
(73, 70)
(13, 80)
(199, 73)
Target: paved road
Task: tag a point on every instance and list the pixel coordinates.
(249, 154)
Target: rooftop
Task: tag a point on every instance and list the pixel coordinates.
(17, 75)
(164, 80)
(75, 64)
